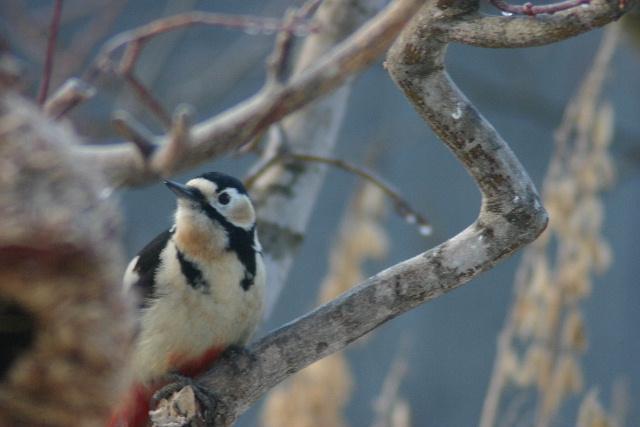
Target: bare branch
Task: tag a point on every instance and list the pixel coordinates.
(277, 61)
(129, 127)
(233, 128)
(88, 20)
(279, 58)
(51, 49)
(148, 98)
(285, 155)
(134, 40)
(482, 30)
(401, 206)
(68, 96)
(168, 155)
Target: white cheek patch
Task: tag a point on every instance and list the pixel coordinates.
(242, 213)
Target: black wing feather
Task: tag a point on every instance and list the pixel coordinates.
(147, 265)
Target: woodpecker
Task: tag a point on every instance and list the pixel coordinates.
(200, 286)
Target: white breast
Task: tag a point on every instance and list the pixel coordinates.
(188, 321)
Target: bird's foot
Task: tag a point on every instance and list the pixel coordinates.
(239, 354)
(185, 398)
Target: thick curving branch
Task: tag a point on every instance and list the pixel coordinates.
(478, 29)
(510, 217)
(124, 165)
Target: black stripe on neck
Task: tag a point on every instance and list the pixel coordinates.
(240, 241)
(193, 274)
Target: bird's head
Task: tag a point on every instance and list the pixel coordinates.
(214, 196)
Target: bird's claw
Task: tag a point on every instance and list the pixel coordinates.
(207, 399)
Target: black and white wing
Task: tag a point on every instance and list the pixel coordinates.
(139, 277)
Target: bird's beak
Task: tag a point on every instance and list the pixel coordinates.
(183, 191)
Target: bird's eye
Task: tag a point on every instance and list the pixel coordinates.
(224, 199)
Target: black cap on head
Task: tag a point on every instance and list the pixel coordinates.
(223, 181)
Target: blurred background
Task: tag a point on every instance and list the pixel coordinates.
(522, 92)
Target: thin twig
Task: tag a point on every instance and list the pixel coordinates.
(101, 15)
(279, 58)
(270, 157)
(511, 217)
(284, 154)
(51, 48)
(388, 397)
(134, 42)
(149, 99)
(238, 125)
(127, 126)
(401, 206)
(169, 155)
(155, 28)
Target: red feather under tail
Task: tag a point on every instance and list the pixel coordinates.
(135, 411)
(195, 366)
